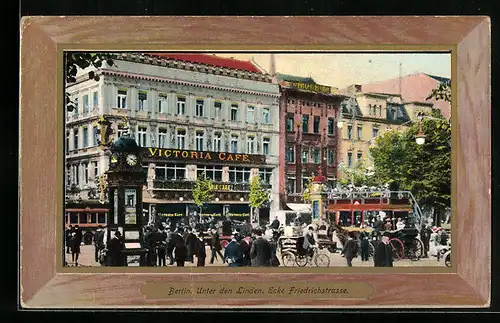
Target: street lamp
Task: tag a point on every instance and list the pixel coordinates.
(420, 137)
(181, 199)
(216, 199)
(242, 199)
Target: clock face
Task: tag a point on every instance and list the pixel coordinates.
(131, 160)
(114, 159)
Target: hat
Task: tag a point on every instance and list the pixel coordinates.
(434, 229)
(386, 234)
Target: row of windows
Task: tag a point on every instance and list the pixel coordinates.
(85, 218)
(305, 124)
(200, 107)
(291, 185)
(200, 141)
(308, 104)
(86, 105)
(349, 158)
(315, 157)
(85, 138)
(79, 173)
(375, 110)
(360, 132)
(236, 174)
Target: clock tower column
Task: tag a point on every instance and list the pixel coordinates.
(125, 182)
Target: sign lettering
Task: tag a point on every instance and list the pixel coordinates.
(190, 155)
(309, 86)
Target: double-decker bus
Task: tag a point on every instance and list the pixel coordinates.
(353, 210)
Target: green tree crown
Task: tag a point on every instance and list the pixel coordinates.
(203, 191)
(258, 195)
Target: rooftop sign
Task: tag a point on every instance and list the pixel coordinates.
(308, 86)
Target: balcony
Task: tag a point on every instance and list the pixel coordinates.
(185, 185)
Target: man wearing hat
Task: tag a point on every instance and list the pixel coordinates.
(260, 251)
(233, 254)
(383, 252)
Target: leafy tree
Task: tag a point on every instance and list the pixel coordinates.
(203, 192)
(258, 196)
(425, 170)
(441, 92)
(359, 175)
(82, 60)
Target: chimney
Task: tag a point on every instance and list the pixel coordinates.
(272, 69)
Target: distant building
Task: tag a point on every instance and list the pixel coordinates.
(374, 113)
(193, 114)
(414, 88)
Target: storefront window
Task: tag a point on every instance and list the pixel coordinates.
(170, 172)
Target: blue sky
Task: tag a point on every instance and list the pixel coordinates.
(343, 69)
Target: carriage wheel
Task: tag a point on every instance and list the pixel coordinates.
(301, 260)
(371, 250)
(288, 259)
(397, 248)
(447, 260)
(416, 249)
(322, 261)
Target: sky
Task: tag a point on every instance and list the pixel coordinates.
(343, 69)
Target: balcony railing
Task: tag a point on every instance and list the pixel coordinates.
(185, 185)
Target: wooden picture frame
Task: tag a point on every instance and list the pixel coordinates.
(44, 283)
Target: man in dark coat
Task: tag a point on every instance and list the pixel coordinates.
(151, 241)
(78, 232)
(227, 227)
(425, 235)
(115, 247)
(200, 251)
(383, 252)
(180, 252)
(68, 233)
(191, 242)
(350, 249)
(215, 246)
(75, 248)
(233, 254)
(260, 252)
(245, 248)
(378, 225)
(365, 246)
(161, 247)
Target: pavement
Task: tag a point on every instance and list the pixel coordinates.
(86, 259)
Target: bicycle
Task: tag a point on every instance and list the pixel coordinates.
(316, 258)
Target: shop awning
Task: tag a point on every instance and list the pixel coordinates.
(299, 207)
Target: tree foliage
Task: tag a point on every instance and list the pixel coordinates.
(441, 92)
(425, 170)
(359, 175)
(258, 195)
(203, 191)
(82, 60)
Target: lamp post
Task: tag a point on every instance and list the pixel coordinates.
(420, 138)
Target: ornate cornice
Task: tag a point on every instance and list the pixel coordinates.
(184, 83)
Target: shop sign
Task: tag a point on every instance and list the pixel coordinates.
(173, 210)
(308, 86)
(239, 210)
(203, 156)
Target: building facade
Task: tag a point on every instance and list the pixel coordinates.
(309, 139)
(365, 115)
(192, 115)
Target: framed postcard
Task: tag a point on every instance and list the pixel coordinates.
(339, 152)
